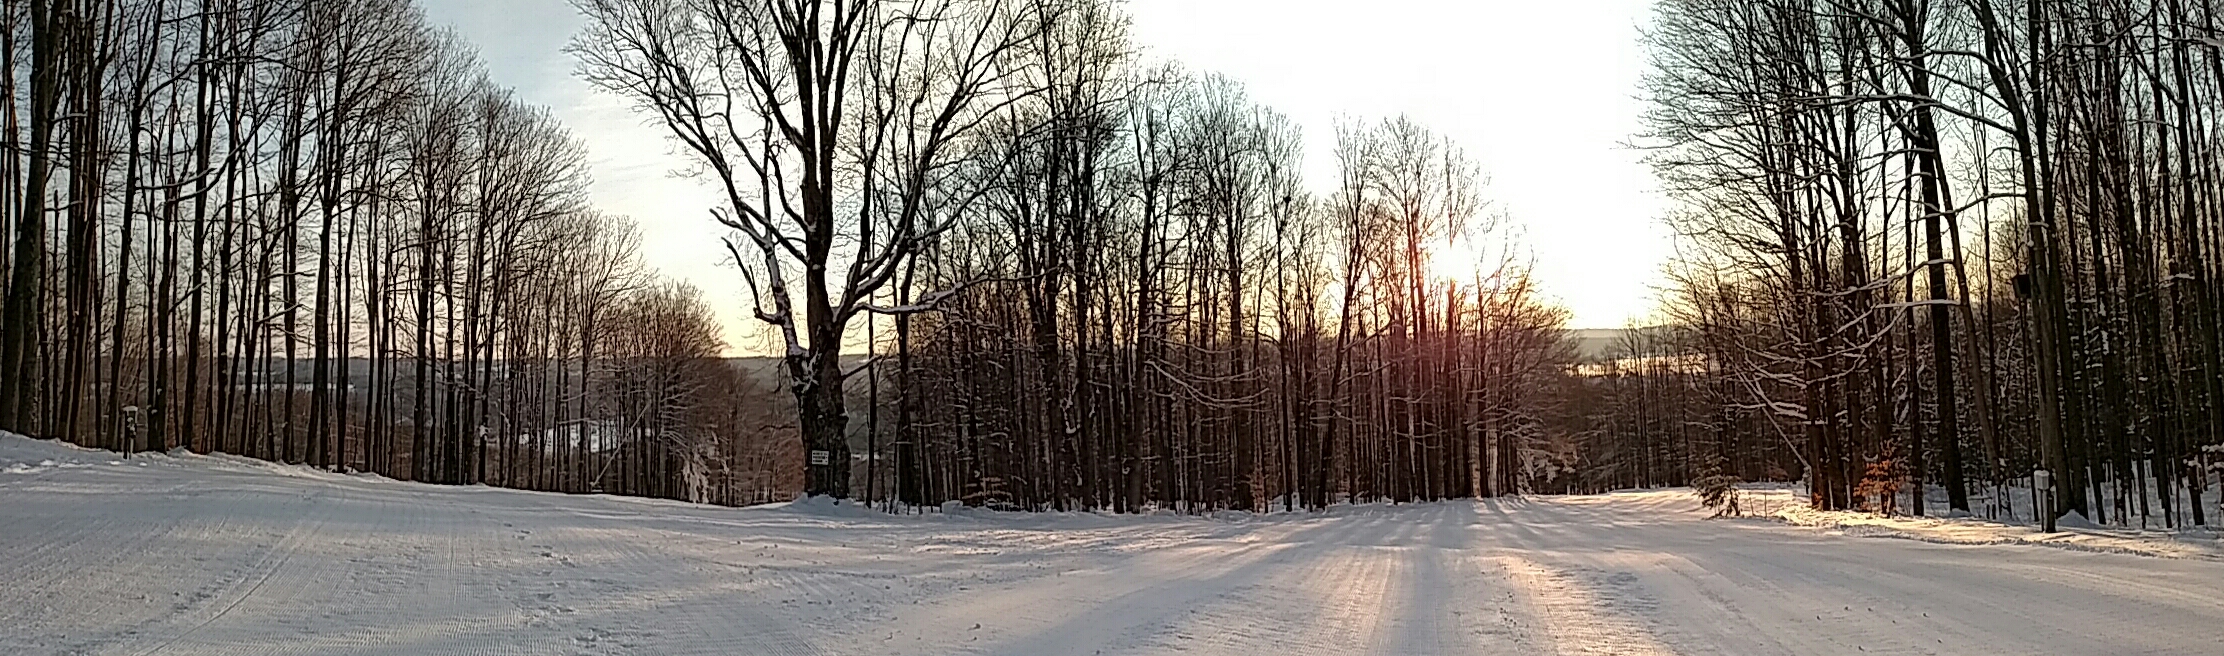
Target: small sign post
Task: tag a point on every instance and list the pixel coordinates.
(821, 458)
(2042, 481)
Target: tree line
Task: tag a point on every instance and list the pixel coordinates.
(1088, 281)
(1943, 242)
(315, 232)
(1195, 331)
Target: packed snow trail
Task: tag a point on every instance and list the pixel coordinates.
(193, 555)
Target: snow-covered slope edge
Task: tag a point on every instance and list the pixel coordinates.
(1782, 505)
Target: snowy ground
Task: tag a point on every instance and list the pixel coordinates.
(188, 555)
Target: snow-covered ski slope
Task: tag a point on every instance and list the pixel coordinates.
(192, 555)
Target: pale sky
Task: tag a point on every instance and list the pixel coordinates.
(1542, 94)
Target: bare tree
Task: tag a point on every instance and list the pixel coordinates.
(825, 125)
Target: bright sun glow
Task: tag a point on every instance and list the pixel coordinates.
(1454, 260)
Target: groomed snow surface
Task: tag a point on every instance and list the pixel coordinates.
(210, 555)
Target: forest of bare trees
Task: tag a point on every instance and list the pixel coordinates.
(1086, 281)
(1007, 259)
(314, 232)
(1941, 243)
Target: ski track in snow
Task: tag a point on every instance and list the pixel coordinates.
(209, 555)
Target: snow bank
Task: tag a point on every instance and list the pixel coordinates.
(2077, 533)
(23, 456)
(17, 449)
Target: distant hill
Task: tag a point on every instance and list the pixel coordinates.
(1596, 343)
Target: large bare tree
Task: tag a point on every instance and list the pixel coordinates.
(825, 124)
